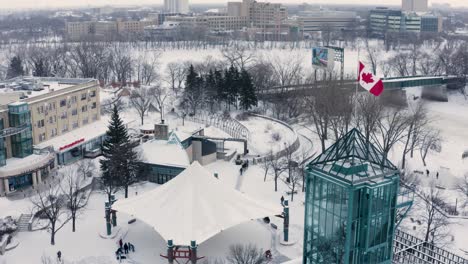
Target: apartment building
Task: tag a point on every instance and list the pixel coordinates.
(259, 14)
(414, 5)
(176, 6)
(105, 29)
(211, 22)
(34, 111)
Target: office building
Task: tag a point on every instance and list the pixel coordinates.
(414, 5)
(33, 112)
(210, 22)
(384, 20)
(259, 14)
(310, 21)
(176, 6)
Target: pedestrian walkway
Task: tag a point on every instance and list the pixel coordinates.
(23, 222)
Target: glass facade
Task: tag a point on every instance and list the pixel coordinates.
(19, 116)
(351, 205)
(19, 182)
(159, 173)
(2, 146)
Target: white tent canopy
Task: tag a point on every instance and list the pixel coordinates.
(194, 206)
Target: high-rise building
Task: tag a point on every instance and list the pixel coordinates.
(414, 5)
(176, 6)
(351, 206)
(259, 14)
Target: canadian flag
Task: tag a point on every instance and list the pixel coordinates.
(369, 81)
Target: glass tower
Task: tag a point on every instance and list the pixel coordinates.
(19, 116)
(351, 204)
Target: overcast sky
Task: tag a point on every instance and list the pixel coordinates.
(8, 4)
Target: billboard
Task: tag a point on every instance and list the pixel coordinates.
(323, 58)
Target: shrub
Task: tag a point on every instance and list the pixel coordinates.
(276, 136)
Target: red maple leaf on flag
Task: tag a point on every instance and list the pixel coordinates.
(367, 78)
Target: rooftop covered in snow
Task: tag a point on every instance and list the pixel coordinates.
(163, 153)
(194, 206)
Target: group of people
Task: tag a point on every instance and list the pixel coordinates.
(124, 249)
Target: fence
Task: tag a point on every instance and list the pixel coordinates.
(227, 124)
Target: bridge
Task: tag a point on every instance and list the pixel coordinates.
(391, 84)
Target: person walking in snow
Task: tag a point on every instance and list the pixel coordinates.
(126, 248)
(59, 256)
(427, 172)
(437, 175)
(120, 243)
(282, 200)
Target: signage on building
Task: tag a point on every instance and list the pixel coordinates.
(72, 144)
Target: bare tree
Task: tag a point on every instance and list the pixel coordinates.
(368, 114)
(86, 168)
(141, 100)
(435, 222)
(176, 73)
(462, 187)
(245, 254)
(400, 64)
(74, 196)
(121, 64)
(160, 95)
(266, 167)
(293, 180)
(239, 56)
(276, 168)
(430, 140)
(51, 205)
(391, 129)
(372, 56)
(416, 119)
(287, 71)
(146, 67)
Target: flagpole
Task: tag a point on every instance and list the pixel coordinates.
(357, 79)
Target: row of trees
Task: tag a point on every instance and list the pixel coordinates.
(229, 87)
(106, 62)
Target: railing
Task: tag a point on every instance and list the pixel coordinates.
(227, 124)
(290, 149)
(411, 249)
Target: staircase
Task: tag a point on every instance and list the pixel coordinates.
(23, 222)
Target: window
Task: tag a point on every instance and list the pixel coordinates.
(95, 117)
(64, 115)
(84, 108)
(65, 128)
(93, 106)
(75, 125)
(53, 132)
(40, 123)
(92, 94)
(74, 112)
(52, 119)
(63, 103)
(83, 96)
(85, 121)
(40, 109)
(42, 137)
(73, 99)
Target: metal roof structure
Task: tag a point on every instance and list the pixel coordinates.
(354, 160)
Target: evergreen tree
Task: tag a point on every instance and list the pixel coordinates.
(15, 68)
(248, 96)
(209, 82)
(119, 166)
(193, 93)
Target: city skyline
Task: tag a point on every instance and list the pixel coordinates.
(37, 4)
